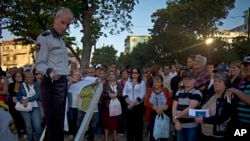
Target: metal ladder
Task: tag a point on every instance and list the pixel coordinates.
(85, 122)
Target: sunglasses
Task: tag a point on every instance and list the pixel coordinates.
(134, 72)
(37, 73)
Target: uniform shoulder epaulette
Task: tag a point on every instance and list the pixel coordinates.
(46, 33)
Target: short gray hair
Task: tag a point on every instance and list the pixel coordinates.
(64, 10)
(222, 76)
(203, 58)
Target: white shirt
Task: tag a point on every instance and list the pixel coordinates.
(133, 92)
(31, 93)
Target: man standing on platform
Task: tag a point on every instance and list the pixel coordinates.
(52, 62)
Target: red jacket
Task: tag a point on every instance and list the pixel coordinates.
(149, 106)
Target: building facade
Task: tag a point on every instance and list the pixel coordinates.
(244, 27)
(133, 40)
(228, 35)
(15, 54)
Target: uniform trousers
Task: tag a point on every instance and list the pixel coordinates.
(54, 100)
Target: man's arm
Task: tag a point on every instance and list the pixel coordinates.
(241, 95)
(192, 105)
(42, 55)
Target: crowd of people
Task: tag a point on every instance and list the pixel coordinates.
(167, 90)
(170, 89)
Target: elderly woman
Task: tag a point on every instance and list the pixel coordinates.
(29, 91)
(111, 90)
(157, 101)
(219, 111)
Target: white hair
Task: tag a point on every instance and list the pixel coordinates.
(204, 59)
(63, 11)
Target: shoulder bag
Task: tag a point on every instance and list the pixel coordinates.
(19, 106)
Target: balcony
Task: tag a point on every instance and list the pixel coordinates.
(20, 51)
(10, 63)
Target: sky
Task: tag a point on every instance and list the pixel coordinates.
(141, 19)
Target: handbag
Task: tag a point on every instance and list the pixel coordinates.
(19, 106)
(115, 108)
(161, 126)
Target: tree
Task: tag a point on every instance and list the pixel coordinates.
(105, 56)
(240, 47)
(29, 18)
(183, 21)
(123, 60)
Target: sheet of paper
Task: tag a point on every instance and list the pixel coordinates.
(198, 112)
(77, 87)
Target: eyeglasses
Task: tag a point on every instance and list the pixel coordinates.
(37, 73)
(134, 72)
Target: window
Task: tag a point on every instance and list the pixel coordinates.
(14, 57)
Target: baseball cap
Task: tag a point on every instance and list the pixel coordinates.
(188, 74)
(222, 68)
(246, 59)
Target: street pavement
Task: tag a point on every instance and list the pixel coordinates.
(98, 138)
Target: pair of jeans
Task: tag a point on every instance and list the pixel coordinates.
(32, 120)
(188, 134)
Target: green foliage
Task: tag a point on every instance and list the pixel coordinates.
(240, 46)
(123, 60)
(185, 23)
(105, 55)
(28, 19)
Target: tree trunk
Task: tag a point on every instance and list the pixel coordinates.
(86, 40)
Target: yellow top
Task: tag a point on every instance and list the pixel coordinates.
(86, 95)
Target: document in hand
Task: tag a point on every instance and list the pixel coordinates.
(87, 81)
(198, 112)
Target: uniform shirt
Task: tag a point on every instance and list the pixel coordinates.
(8, 131)
(51, 53)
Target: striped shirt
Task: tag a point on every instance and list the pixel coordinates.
(243, 110)
(183, 99)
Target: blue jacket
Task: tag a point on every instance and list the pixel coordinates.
(22, 92)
